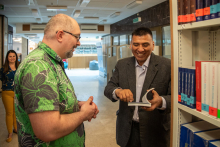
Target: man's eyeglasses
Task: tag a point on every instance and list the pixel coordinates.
(77, 37)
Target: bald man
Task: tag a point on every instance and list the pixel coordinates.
(48, 112)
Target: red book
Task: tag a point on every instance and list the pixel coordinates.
(198, 85)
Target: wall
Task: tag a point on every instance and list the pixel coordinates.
(16, 46)
(19, 29)
(24, 47)
(158, 15)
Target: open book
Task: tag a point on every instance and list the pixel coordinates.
(144, 103)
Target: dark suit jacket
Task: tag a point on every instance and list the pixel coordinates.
(154, 125)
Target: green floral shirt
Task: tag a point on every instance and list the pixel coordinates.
(41, 85)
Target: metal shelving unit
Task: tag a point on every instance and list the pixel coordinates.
(190, 42)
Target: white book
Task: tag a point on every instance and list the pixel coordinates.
(205, 87)
(218, 91)
(213, 89)
(144, 103)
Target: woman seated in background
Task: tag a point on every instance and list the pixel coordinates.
(7, 73)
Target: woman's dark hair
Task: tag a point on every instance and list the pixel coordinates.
(6, 65)
(142, 31)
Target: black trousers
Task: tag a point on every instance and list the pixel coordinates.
(134, 140)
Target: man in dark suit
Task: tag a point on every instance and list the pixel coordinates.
(133, 76)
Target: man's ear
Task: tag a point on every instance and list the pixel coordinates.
(153, 46)
(59, 36)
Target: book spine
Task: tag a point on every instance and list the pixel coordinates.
(206, 9)
(192, 10)
(188, 87)
(218, 8)
(193, 90)
(213, 9)
(205, 87)
(187, 11)
(213, 89)
(218, 78)
(179, 84)
(198, 85)
(183, 87)
(199, 10)
(181, 15)
(179, 12)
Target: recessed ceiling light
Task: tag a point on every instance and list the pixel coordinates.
(84, 3)
(115, 14)
(35, 12)
(56, 8)
(38, 20)
(134, 4)
(76, 13)
(91, 18)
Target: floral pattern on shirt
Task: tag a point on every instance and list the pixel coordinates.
(41, 85)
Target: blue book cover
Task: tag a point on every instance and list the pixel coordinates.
(214, 9)
(203, 139)
(183, 86)
(188, 87)
(214, 143)
(179, 84)
(206, 9)
(199, 10)
(193, 89)
(187, 131)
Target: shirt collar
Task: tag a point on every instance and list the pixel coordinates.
(50, 52)
(146, 63)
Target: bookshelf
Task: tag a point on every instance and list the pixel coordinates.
(197, 41)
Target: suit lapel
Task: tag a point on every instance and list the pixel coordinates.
(132, 76)
(151, 72)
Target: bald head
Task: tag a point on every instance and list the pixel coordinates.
(59, 22)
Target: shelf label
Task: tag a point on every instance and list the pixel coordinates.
(213, 111)
(198, 106)
(205, 107)
(179, 98)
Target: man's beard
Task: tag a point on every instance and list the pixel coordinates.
(70, 53)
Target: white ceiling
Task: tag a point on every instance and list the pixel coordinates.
(18, 11)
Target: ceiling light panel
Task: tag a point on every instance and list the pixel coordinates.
(38, 20)
(56, 8)
(76, 13)
(35, 12)
(84, 3)
(134, 4)
(115, 14)
(31, 2)
(94, 18)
